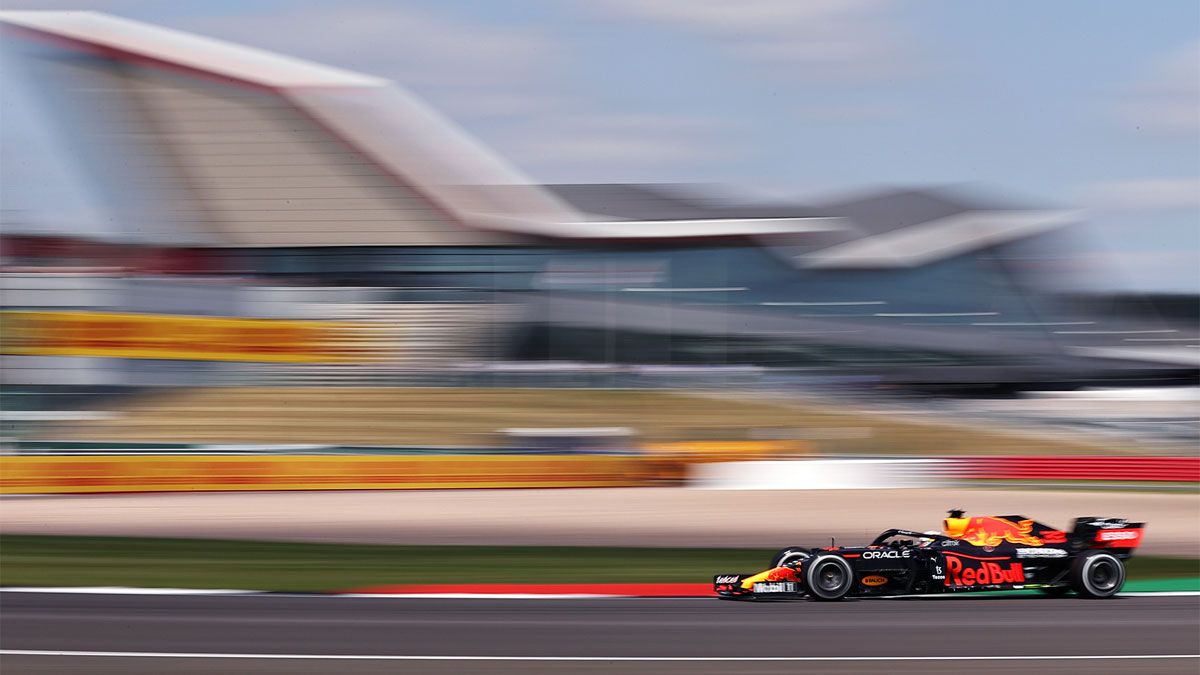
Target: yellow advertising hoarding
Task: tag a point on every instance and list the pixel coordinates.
(161, 336)
(178, 473)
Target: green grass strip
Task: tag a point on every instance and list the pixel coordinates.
(36, 560)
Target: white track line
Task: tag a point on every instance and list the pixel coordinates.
(450, 657)
(1160, 594)
(121, 590)
(995, 594)
(602, 596)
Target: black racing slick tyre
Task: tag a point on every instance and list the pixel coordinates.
(828, 577)
(1097, 574)
(790, 555)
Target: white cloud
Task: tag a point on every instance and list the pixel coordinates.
(1169, 98)
(813, 39)
(600, 147)
(1145, 194)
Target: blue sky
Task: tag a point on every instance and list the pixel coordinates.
(1086, 103)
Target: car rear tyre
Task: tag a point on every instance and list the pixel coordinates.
(828, 577)
(1097, 574)
(790, 555)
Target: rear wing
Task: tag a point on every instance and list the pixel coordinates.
(1116, 534)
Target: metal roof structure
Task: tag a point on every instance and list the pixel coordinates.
(894, 228)
(242, 147)
(101, 33)
(227, 145)
(903, 228)
(209, 143)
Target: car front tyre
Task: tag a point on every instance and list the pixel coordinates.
(789, 556)
(828, 577)
(1097, 574)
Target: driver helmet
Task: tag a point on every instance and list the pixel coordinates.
(956, 527)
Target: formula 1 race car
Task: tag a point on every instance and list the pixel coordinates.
(983, 553)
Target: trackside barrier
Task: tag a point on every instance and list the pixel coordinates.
(60, 474)
(174, 473)
(818, 474)
(1164, 469)
(728, 451)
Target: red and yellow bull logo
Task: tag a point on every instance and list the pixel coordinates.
(782, 574)
(986, 574)
(773, 574)
(992, 531)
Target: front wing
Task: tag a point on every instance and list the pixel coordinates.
(734, 587)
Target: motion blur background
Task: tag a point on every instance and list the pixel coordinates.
(822, 209)
(746, 274)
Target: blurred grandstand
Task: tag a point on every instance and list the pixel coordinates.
(284, 223)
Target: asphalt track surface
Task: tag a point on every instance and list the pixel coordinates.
(594, 635)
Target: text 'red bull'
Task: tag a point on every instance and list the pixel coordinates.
(987, 574)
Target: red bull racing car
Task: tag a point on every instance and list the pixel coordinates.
(982, 553)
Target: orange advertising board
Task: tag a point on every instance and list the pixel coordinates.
(160, 336)
(40, 474)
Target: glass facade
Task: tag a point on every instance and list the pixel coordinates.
(684, 303)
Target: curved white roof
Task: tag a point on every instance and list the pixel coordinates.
(312, 155)
(219, 57)
(308, 155)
